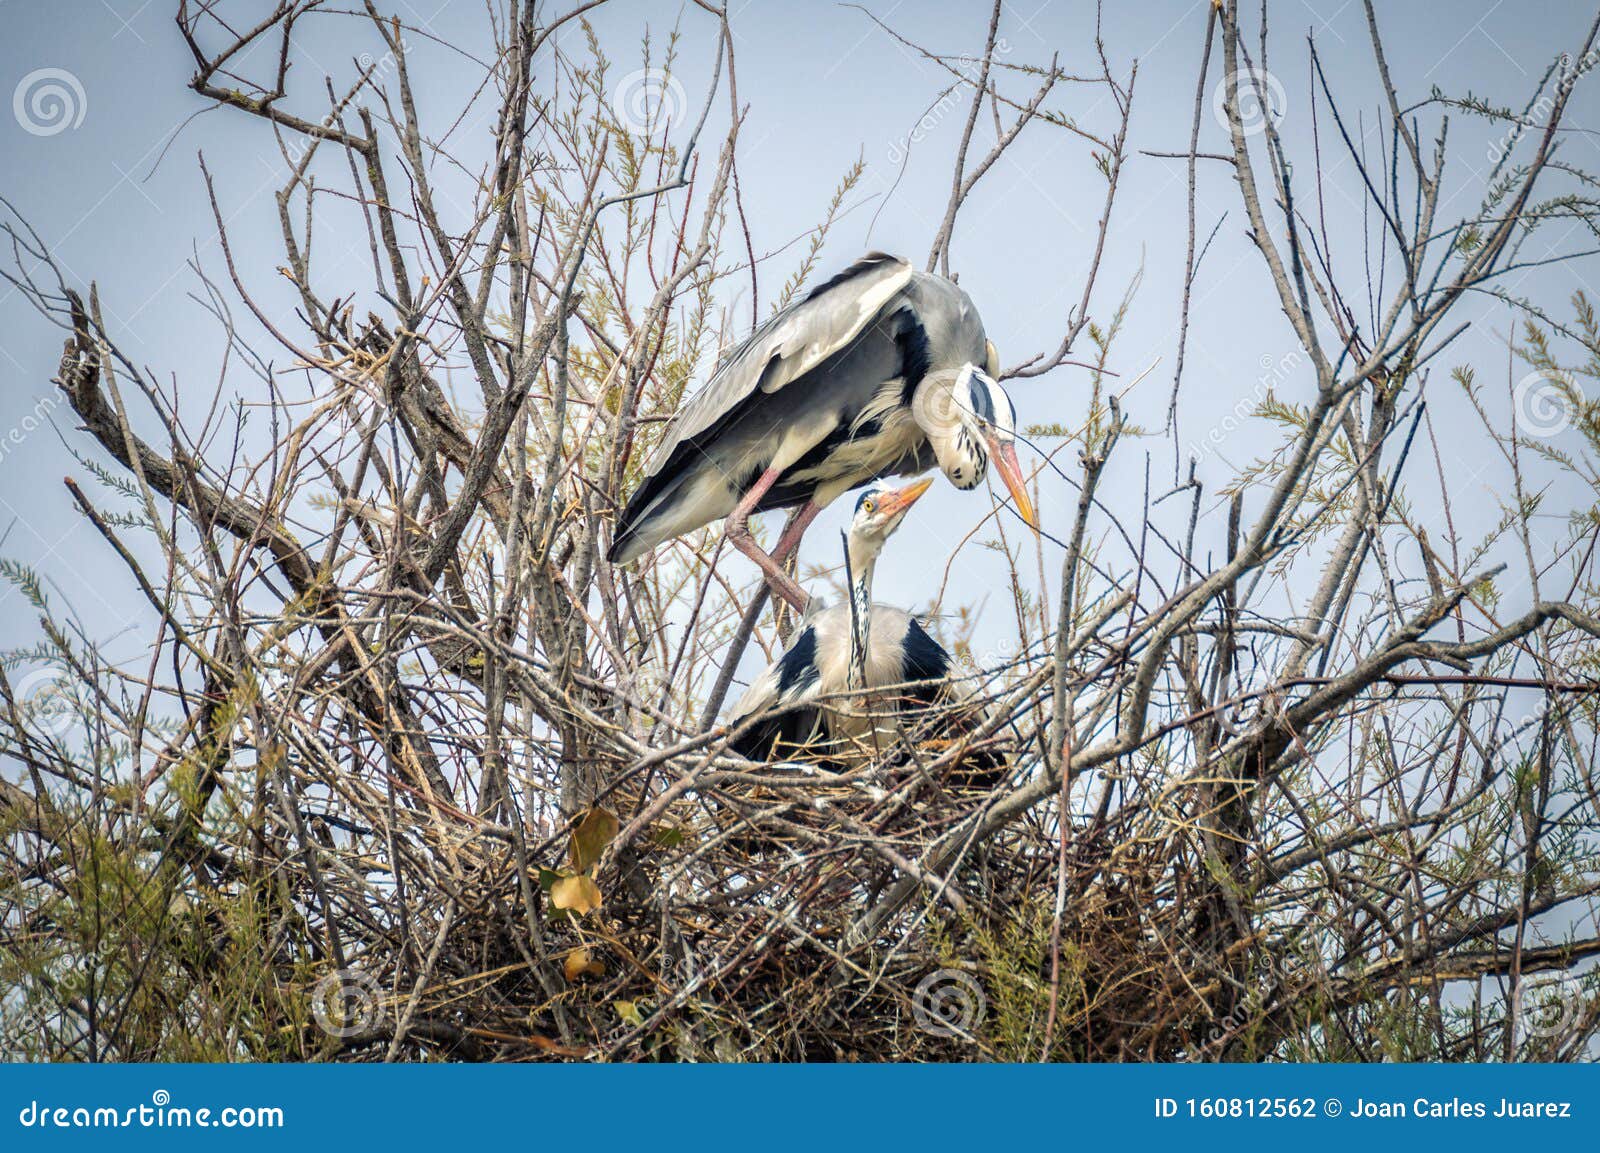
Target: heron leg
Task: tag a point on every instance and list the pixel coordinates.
(795, 529)
(738, 533)
(788, 545)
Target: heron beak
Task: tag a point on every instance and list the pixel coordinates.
(1005, 463)
(899, 502)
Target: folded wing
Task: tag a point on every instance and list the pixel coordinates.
(789, 345)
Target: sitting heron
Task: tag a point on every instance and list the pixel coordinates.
(850, 648)
(882, 370)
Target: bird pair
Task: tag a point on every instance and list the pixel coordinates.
(881, 371)
(839, 653)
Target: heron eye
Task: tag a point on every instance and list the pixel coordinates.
(866, 505)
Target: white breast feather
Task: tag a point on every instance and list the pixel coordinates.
(866, 456)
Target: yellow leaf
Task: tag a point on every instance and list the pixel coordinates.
(579, 894)
(629, 1012)
(579, 964)
(594, 832)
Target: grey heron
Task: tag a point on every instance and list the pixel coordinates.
(882, 370)
(853, 647)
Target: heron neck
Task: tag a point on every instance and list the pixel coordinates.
(862, 560)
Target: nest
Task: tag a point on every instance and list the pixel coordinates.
(735, 923)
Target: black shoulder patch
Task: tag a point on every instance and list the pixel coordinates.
(798, 666)
(866, 264)
(912, 341)
(924, 658)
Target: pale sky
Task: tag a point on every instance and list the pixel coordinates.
(118, 196)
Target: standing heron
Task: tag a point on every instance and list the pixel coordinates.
(882, 370)
(854, 647)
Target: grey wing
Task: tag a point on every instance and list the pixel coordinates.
(790, 682)
(790, 344)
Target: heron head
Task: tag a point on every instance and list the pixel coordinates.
(970, 421)
(879, 511)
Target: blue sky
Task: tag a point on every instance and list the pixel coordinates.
(118, 196)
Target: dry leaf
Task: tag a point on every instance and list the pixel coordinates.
(578, 963)
(594, 832)
(579, 894)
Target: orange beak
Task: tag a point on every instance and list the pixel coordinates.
(1005, 463)
(901, 499)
